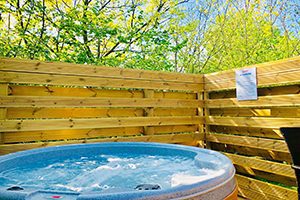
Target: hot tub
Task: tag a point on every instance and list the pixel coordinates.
(110, 171)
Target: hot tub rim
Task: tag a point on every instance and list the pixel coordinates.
(218, 180)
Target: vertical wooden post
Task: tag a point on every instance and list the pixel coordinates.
(148, 112)
(200, 113)
(206, 115)
(3, 111)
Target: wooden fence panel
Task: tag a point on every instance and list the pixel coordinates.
(248, 131)
(49, 103)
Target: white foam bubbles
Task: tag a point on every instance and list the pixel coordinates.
(187, 179)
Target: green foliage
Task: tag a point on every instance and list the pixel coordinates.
(186, 36)
(245, 38)
(112, 32)
(234, 34)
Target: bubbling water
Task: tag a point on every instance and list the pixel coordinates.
(105, 172)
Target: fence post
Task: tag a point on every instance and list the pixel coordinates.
(148, 111)
(200, 113)
(206, 115)
(3, 111)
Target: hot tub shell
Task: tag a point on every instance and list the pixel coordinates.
(220, 187)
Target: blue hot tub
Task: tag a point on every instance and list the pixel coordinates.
(117, 171)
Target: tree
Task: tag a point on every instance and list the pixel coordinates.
(110, 32)
(192, 36)
(247, 38)
(243, 33)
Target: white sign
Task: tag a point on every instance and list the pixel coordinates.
(246, 84)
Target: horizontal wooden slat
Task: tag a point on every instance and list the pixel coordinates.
(252, 151)
(283, 78)
(85, 81)
(50, 113)
(266, 101)
(263, 122)
(267, 91)
(248, 131)
(285, 71)
(21, 90)
(267, 144)
(25, 90)
(30, 136)
(272, 177)
(38, 136)
(174, 112)
(174, 129)
(240, 112)
(45, 101)
(175, 95)
(190, 139)
(263, 165)
(255, 189)
(94, 71)
(58, 124)
(285, 112)
(271, 68)
(257, 112)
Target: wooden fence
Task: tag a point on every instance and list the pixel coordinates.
(248, 131)
(46, 104)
